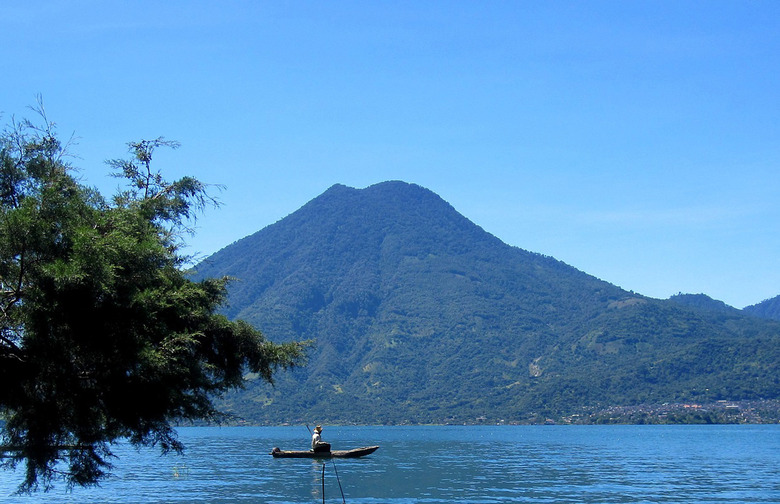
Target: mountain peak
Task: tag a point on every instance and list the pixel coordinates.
(383, 196)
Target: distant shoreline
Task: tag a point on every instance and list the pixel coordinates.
(755, 412)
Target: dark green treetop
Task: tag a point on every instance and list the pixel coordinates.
(102, 333)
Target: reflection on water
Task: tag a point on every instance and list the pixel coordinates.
(598, 464)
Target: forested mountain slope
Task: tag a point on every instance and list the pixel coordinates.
(421, 316)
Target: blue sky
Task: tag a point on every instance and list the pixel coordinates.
(637, 141)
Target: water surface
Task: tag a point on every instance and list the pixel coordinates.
(498, 464)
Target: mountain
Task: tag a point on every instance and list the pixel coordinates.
(769, 309)
(421, 316)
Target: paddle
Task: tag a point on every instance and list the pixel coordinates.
(337, 479)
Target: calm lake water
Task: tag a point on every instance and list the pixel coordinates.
(526, 464)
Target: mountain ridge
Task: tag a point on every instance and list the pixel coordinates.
(769, 308)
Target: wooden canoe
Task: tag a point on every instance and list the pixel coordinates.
(354, 453)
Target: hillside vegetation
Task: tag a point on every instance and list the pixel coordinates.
(420, 316)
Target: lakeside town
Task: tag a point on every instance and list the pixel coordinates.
(717, 412)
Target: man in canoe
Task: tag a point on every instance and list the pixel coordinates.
(317, 444)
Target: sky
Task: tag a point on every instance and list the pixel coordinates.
(638, 141)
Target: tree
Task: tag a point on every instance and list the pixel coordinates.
(102, 333)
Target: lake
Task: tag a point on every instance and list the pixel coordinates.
(446, 464)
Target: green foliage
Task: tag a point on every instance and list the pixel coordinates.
(103, 335)
(420, 316)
